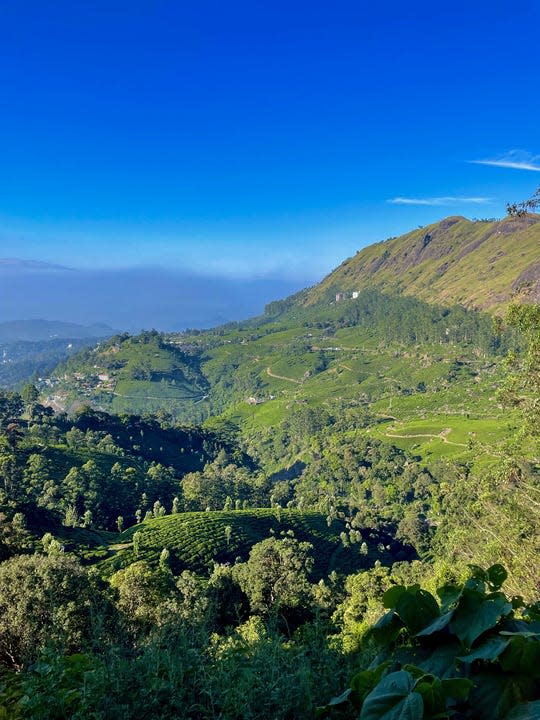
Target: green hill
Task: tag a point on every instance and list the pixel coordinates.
(196, 540)
(478, 264)
(127, 374)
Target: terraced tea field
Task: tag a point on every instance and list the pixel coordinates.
(197, 540)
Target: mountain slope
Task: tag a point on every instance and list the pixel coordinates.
(479, 264)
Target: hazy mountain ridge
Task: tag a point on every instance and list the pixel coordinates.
(479, 264)
(37, 330)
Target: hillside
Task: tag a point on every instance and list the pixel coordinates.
(478, 264)
(125, 374)
(352, 449)
(198, 539)
(404, 297)
(33, 348)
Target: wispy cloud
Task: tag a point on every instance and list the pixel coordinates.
(516, 160)
(445, 200)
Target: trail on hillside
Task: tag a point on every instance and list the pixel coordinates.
(281, 377)
(199, 398)
(440, 436)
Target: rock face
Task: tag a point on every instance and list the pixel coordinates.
(479, 264)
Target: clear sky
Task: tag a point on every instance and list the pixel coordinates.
(251, 137)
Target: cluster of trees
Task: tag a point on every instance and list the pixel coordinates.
(94, 468)
(151, 645)
(260, 639)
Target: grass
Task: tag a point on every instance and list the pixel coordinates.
(471, 263)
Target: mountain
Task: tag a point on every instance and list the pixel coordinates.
(39, 330)
(408, 365)
(32, 348)
(478, 264)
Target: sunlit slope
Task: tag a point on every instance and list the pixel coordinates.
(196, 540)
(125, 374)
(480, 264)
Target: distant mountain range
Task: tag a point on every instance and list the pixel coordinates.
(43, 330)
(19, 265)
(479, 264)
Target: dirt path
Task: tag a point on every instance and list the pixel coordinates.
(163, 397)
(440, 436)
(281, 377)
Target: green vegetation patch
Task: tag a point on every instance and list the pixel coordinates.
(197, 540)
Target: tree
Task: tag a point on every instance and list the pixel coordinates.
(276, 574)
(141, 590)
(30, 394)
(164, 558)
(11, 408)
(71, 517)
(137, 543)
(521, 209)
(44, 601)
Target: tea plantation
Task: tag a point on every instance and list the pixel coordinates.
(197, 540)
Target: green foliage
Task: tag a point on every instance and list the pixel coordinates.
(357, 432)
(472, 654)
(275, 576)
(45, 601)
(522, 386)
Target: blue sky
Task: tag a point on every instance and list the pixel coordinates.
(248, 138)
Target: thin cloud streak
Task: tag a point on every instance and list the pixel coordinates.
(513, 164)
(438, 201)
(515, 160)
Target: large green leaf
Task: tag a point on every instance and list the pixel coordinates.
(458, 688)
(490, 650)
(449, 595)
(475, 614)
(433, 696)
(417, 608)
(393, 699)
(522, 656)
(364, 682)
(525, 711)
(440, 661)
(496, 575)
(392, 595)
(387, 628)
(437, 625)
(496, 693)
